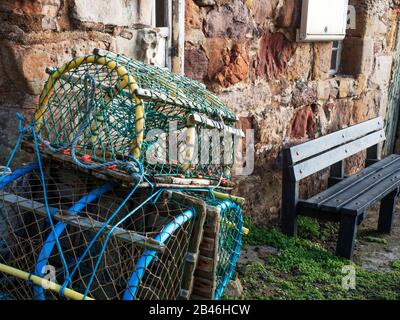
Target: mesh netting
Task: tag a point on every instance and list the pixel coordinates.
(172, 124)
(127, 266)
(230, 231)
(229, 243)
(101, 116)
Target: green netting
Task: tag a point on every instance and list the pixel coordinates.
(229, 239)
(229, 242)
(184, 130)
(103, 110)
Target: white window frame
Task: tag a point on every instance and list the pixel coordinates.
(166, 29)
(338, 49)
(173, 31)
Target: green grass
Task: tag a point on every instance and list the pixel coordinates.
(304, 269)
(309, 228)
(396, 265)
(375, 239)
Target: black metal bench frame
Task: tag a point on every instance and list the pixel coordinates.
(347, 199)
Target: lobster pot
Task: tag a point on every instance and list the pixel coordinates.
(229, 243)
(220, 248)
(111, 107)
(104, 246)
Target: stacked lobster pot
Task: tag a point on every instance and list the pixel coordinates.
(127, 195)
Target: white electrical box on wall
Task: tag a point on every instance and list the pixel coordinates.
(323, 20)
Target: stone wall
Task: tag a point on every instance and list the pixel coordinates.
(246, 51)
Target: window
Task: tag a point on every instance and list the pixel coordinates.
(156, 38)
(161, 41)
(336, 56)
(162, 13)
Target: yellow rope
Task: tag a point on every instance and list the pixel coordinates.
(231, 225)
(238, 200)
(44, 283)
(189, 150)
(224, 196)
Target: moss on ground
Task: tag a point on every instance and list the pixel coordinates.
(396, 265)
(304, 269)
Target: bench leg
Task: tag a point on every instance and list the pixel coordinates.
(386, 213)
(347, 236)
(289, 223)
(290, 196)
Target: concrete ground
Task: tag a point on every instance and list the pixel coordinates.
(373, 254)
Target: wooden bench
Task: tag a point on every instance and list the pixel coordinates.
(347, 199)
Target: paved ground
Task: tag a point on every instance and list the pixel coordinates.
(374, 256)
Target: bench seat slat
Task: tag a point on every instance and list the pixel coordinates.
(322, 161)
(363, 186)
(347, 199)
(373, 195)
(357, 193)
(318, 200)
(325, 143)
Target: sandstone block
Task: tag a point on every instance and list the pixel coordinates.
(323, 89)
(31, 61)
(288, 13)
(382, 71)
(322, 60)
(214, 48)
(303, 95)
(235, 69)
(303, 125)
(117, 12)
(263, 10)
(195, 37)
(364, 107)
(196, 64)
(274, 53)
(231, 21)
(334, 84)
(192, 16)
(346, 87)
(344, 113)
(254, 99)
(361, 51)
(35, 15)
(299, 66)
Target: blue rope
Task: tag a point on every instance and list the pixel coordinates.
(64, 286)
(17, 145)
(48, 245)
(8, 179)
(105, 224)
(134, 167)
(64, 262)
(148, 256)
(109, 235)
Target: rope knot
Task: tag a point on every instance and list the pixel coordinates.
(20, 116)
(64, 286)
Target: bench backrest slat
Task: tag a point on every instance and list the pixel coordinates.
(307, 168)
(307, 150)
